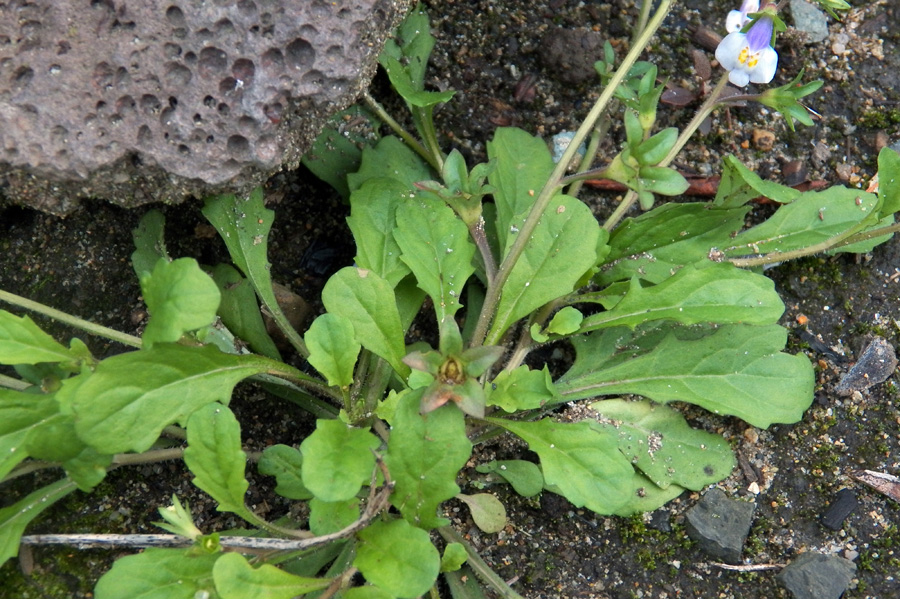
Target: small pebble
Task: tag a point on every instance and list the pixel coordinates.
(763, 140)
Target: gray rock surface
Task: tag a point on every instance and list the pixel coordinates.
(147, 100)
(810, 20)
(817, 576)
(720, 525)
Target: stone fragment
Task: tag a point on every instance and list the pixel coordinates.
(817, 576)
(720, 525)
(843, 505)
(876, 363)
(810, 20)
(155, 100)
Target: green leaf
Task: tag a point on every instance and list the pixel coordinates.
(487, 512)
(521, 389)
(20, 413)
(425, 453)
(240, 312)
(285, 464)
(565, 322)
(523, 165)
(563, 247)
(739, 185)
(660, 443)
(454, 173)
(215, 457)
(736, 370)
(127, 401)
(23, 342)
(407, 88)
(814, 217)
(367, 301)
(333, 349)
(437, 248)
(454, 557)
(397, 557)
(634, 132)
(337, 460)
(393, 159)
(16, 517)
(180, 298)
(54, 439)
(662, 180)
(889, 181)
(525, 477)
(326, 517)
(464, 584)
(642, 496)
(366, 592)
(412, 43)
(580, 461)
(373, 209)
(235, 578)
(703, 292)
(409, 301)
(658, 243)
(159, 574)
(337, 151)
(244, 226)
(149, 242)
(88, 468)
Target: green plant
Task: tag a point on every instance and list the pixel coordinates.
(666, 306)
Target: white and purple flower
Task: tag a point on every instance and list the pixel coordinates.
(736, 19)
(749, 57)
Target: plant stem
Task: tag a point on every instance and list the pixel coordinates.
(705, 110)
(482, 570)
(261, 523)
(642, 18)
(710, 104)
(476, 232)
(829, 244)
(121, 459)
(148, 457)
(74, 321)
(292, 393)
(304, 381)
(551, 187)
(405, 135)
(423, 117)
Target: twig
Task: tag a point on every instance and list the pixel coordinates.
(377, 502)
(748, 567)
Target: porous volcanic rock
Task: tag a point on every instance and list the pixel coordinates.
(147, 100)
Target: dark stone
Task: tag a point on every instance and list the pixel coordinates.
(817, 576)
(843, 505)
(720, 525)
(660, 520)
(138, 102)
(569, 54)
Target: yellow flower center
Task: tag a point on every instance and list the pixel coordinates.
(748, 59)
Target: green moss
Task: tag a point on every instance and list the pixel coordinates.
(879, 118)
